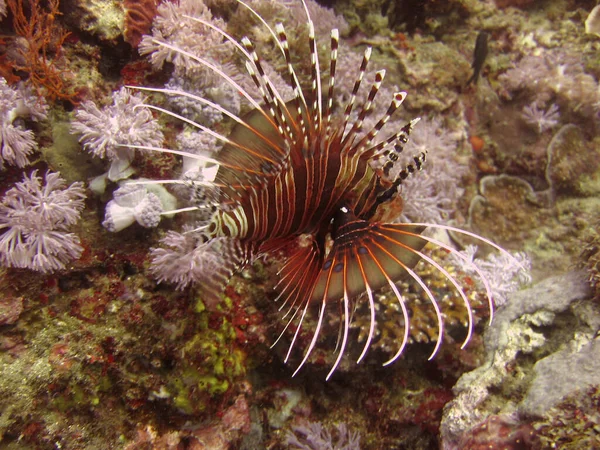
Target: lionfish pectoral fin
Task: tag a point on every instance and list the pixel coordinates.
(361, 261)
(296, 278)
(371, 261)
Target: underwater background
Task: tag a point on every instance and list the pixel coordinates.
(107, 341)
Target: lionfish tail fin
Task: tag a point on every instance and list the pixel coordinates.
(211, 264)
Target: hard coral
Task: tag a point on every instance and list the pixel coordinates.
(35, 219)
(17, 143)
(106, 132)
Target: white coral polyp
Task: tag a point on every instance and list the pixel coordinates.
(132, 203)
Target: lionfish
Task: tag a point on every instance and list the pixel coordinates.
(299, 172)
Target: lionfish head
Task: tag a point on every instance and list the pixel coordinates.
(305, 170)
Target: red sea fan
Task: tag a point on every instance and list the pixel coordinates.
(138, 19)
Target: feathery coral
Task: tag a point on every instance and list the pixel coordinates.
(314, 437)
(104, 132)
(35, 218)
(431, 195)
(189, 257)
(539, 118)
(17, 143)
(505, 275)
(175, 26)
(183, 259)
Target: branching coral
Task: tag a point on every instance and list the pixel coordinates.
(17, 143)
(423, 320)
(35, 218)
(502, 273)
(106, 132)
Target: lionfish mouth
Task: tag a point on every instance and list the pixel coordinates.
(297, 168)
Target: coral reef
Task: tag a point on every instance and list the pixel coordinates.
(572, 424)
(107, 342)
(533, 326)
(104, 20)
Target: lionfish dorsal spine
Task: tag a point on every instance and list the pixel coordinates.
(359, 78)
(357, 126)
(299, 100)
(315, 74)
(335, 37)
(271, 98)
(397, 100)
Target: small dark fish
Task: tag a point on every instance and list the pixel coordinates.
(479, 55)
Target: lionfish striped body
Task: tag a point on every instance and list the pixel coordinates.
(296, 172)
